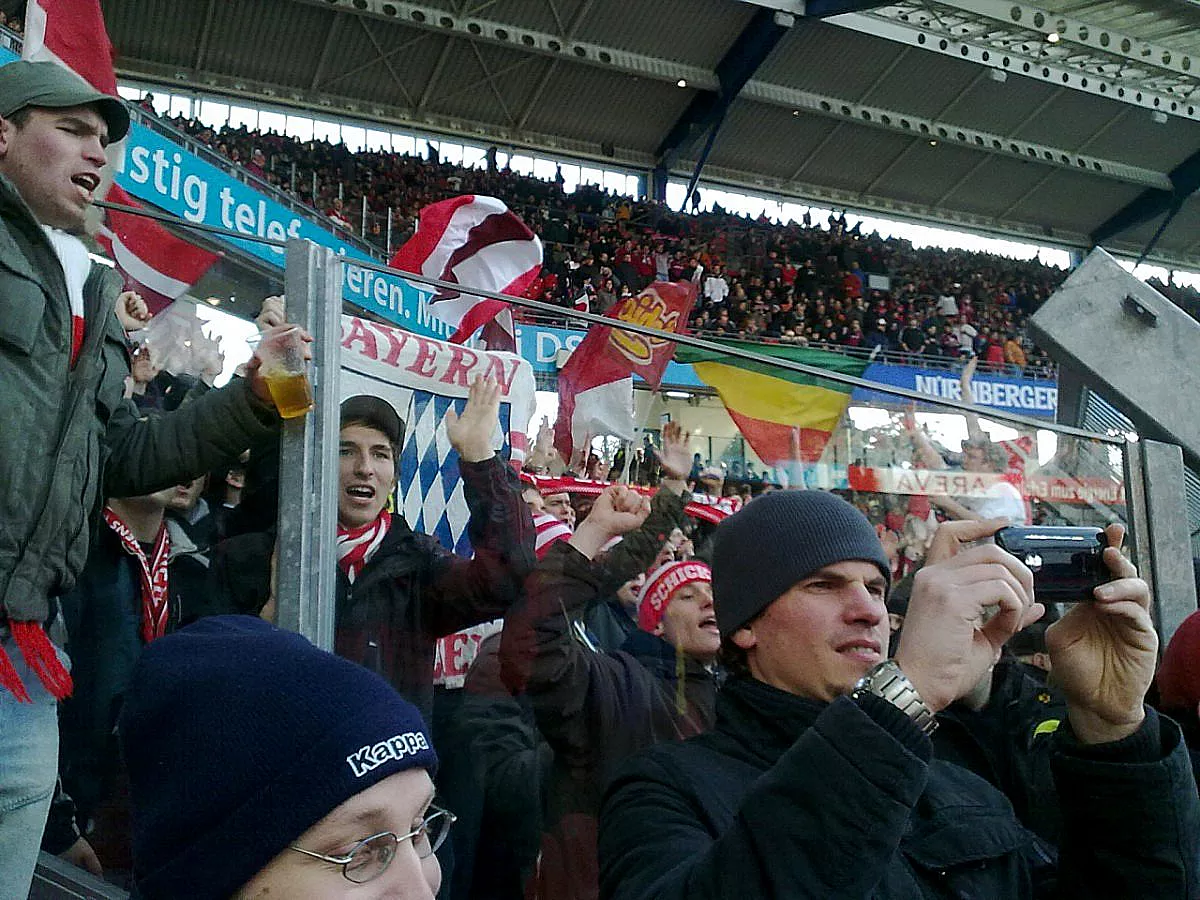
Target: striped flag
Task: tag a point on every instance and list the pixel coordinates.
(162, 267)
(473, 241)
(783, 415)
(153, 262)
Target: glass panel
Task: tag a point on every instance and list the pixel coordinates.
(675, 194)
(522, 164)
(300, 127)
(130, 93)
(378, 140)
(404, 144)
(570, 177)
(214, 114)
(243, 117)
(272, 121)
(327, 131)
(181, 106)
(614, 181)
(354, 138)
(451, 153)
(544, 168)
(591, 176)
(474, 157)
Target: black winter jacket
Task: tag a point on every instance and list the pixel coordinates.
(1010, 743)
(789, 798)
(414, 590)
(594, 709)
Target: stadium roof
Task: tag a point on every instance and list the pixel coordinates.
(1065, 123)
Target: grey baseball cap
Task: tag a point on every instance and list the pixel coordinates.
(46, 84)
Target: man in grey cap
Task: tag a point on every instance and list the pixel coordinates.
(67, 427)
(819, 779)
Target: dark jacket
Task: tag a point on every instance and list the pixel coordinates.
(103, 615)
(594, 709)
(414, 590)
(65, 429)
(493, 735)
(1009, 743)
(789, 798)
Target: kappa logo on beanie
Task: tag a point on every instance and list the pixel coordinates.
(372, 756)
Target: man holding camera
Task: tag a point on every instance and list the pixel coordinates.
(818, 778)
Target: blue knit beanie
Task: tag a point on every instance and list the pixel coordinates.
(778, 539)
(238, 737)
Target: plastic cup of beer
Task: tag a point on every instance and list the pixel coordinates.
(285, 370)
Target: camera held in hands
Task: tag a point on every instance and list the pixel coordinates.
(1066, 561)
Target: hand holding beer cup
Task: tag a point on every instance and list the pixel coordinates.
(278, 371)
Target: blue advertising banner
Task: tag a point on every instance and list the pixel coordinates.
(1010, 393)
(160, 172)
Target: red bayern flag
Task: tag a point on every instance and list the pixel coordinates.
(595, 387)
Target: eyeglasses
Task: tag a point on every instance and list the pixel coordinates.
(370, 857)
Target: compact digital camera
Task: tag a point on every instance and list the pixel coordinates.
(1066, 561)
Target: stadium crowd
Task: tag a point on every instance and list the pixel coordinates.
(689, 694)
(816, 283)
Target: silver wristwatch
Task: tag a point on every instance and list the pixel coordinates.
(889, 683)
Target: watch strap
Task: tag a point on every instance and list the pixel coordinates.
(888, 682)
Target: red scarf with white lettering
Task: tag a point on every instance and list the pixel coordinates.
(153, 570)
(356, 546)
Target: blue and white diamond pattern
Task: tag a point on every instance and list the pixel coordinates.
(433, 500)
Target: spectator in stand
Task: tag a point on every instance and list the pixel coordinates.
(316, 774)
(337, 212)
(258, 164)
(819, 778)
(716, 288)
(399, 590)
(595, 709)
(912, 338)
(188, 508)
(1014, 354)
(755, 257)
(63, 364)
(144, 578)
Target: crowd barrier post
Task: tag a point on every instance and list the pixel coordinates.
(308, 460)
(1158, 522)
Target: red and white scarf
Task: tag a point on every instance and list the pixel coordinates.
(356, 546)
(155, 603)
(76, 263)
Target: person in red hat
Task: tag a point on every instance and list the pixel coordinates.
(597, 708)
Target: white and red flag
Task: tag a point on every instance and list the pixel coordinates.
(473, 241)
(595, 387)
(153, 261)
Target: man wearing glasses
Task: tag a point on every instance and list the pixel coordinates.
(260, 766)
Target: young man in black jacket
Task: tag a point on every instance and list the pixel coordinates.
(818, 778)
(399, 590)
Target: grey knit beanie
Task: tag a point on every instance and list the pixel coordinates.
(779, 539)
